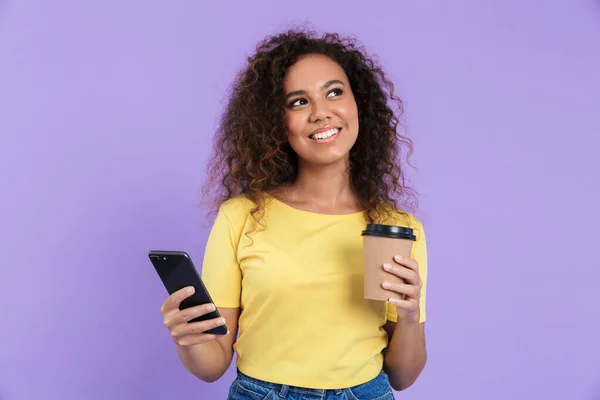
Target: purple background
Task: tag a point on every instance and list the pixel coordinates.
(107, 110)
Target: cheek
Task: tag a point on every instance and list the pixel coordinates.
(349, 113)
(293, 124)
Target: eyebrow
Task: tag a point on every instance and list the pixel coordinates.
(323, 87)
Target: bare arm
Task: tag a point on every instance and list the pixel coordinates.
(210, 360)
(406, 355)
(205, 355)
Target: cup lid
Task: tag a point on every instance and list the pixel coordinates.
(389, 231)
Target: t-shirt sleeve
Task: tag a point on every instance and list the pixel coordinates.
(221, 271)
(418, 253)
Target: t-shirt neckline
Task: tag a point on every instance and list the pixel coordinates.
(298, 210)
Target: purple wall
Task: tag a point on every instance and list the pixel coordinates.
(107, 110)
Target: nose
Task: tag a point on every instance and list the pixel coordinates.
(320, 111)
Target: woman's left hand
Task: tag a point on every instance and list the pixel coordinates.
(410, 291)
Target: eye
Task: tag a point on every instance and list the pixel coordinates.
(298, 102)
(335, 92)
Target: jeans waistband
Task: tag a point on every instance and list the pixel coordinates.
(283, 389)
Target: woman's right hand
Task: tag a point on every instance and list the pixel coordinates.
(176, 320)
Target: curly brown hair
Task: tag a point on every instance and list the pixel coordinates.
(252, 155)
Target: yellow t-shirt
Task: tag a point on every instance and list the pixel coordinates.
(299, 284)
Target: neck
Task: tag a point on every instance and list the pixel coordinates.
(325, 185)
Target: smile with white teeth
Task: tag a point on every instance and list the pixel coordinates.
(325, 135)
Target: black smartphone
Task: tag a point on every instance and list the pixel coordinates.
(176, 270)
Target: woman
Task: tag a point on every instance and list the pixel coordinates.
(306, 155)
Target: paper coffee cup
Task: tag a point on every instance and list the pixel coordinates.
(381, 243)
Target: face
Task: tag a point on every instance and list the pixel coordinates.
(321, 115)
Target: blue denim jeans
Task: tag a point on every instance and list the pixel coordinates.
(247, 388)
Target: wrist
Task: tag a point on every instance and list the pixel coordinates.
(404, 315)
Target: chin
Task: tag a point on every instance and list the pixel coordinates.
(324, 161)
(320, 156)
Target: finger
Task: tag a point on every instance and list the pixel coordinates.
(196, 328)
(405, 273)
(193, 312)
(176, 298)
(408, 305)
(407, 262)
(188, 314)
(192, 340)
(402, 288)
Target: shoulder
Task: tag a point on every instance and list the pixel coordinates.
(238, 205)
(236, 210)
(401, 217)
